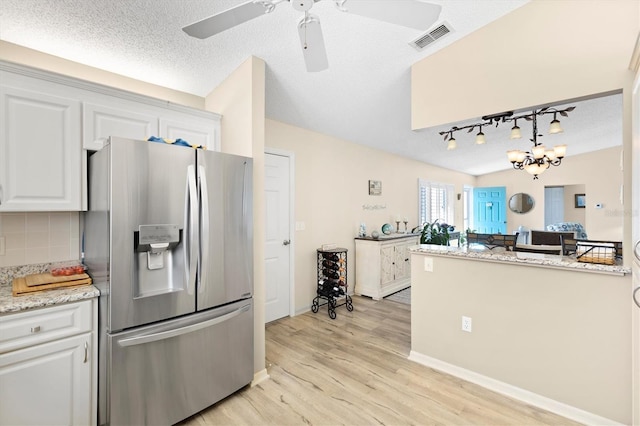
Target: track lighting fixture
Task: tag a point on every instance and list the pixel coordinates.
(554, 127)
(480, 139)
(515, 130)
(539, 158)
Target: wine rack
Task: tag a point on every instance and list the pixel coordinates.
(332, 281)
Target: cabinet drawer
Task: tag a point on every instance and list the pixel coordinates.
(43, 325)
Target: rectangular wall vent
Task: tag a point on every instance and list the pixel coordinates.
(430, 37)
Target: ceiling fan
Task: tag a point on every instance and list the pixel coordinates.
(408, 13)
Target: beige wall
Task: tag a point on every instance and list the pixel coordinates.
(561, 334)
(573, 214)
(331, 188)
(601, 187)
(543, 52)
(240, 99)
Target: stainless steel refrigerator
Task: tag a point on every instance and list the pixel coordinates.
(168, 241)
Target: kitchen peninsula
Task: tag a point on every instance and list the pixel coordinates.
(546, 329)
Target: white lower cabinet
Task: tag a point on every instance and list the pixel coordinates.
(50, 378)
(383, 266)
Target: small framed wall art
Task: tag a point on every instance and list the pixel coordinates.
(580, 201)
(375, 187)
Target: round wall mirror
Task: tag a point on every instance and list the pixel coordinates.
(521, 203)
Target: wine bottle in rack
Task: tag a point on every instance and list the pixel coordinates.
(331, 265)
(331, 256)
(331, 274)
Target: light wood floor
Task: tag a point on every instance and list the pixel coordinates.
(354, 371)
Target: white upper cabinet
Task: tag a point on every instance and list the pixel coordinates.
(40, 151)
(193, 130)
(126, 121)
(47, 119)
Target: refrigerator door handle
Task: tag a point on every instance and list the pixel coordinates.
(163, 335)
(204, 255)
(191, 258)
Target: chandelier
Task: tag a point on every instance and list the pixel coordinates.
(536, 161)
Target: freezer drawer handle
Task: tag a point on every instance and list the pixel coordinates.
(141, 340)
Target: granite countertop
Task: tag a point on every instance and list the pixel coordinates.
(40, 299)
(522, 258)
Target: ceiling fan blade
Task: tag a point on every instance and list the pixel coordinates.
(224, 20)
(408, 13)
(313, 50)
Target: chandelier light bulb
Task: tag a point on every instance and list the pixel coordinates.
(513, 155)
(550, 154)
(538, 151)
(480, 139)
(560, 150)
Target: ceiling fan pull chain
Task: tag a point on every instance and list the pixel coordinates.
(306, 17)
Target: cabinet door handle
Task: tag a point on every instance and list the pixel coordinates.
(86, 353)
(0, 195)
(636, 253)
(35, 329)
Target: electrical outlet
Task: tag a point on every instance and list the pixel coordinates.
(466, 324)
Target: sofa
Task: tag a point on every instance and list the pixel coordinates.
(574, 227)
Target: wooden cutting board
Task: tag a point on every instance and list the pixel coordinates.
(20, 287)
(47, 278)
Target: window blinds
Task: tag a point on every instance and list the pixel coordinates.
(435, 202)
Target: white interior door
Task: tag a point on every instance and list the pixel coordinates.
(278, 239)
(635, 233)
(553, 205)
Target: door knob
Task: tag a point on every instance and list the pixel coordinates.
(286, 242)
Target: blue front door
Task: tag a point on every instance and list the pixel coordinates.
(490, 210)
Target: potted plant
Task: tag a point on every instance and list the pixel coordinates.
(435, 233)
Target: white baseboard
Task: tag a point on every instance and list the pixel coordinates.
(260, 377)
(514, 392)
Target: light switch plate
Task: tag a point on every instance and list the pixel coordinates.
(428, 264)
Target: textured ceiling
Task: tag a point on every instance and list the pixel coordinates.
(364, 96)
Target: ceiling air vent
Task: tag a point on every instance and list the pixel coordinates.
(429, 38)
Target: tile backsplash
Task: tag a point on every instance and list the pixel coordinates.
(39, 237)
